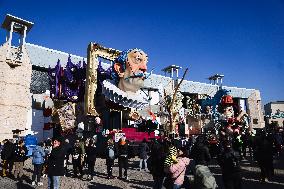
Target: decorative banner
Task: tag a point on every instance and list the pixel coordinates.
(67, 116)
(117, 136)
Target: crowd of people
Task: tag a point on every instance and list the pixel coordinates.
(173, 163)
(228, 150)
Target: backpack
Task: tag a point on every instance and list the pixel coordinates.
(111, 153)
(205, 177)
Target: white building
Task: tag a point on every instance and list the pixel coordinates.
(274, 112)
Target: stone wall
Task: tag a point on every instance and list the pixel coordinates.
(15, 97)
(255, 111)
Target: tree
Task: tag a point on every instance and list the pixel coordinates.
(173, 102)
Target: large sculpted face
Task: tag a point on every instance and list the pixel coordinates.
(132, 73)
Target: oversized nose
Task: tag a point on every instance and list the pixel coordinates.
(143, 66)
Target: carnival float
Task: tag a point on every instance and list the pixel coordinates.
(95, 97)
(101, 99)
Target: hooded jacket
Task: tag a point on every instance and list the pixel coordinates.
(38, 154)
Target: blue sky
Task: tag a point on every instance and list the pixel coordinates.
(242, 39)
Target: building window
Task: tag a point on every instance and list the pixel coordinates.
(255, 121)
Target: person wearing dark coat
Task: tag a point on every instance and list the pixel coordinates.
(264, 155)
(7, 156)
(55, 164)
(68, 150)
(122, 151)
(156, 164)
(143, 150)
(91, 153)
(76, 159)
(21, 152)
(200, 151)
(229, 161)
(278, 142)
(110, 157)
(245, 138)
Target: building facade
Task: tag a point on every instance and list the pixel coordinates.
(274, 113)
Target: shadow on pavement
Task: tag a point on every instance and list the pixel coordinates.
(251, 175)
(23, 186)
(142, 183)
(102, 186)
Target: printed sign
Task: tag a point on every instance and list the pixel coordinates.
(117, 136)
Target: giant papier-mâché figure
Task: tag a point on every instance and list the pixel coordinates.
(127, 78)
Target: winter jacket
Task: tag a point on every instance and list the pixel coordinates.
(56, 162)
(68, 149)
(264, 149)
(155, 162)
(76, 154)
(38, 155)
(82, 145)
(20, 153)
(91, 152)
(143, 150)
(110, 150)
(229, 161)
(156, 166)
(122, 150)
(200, 153)
(177, 170)
(7, 152)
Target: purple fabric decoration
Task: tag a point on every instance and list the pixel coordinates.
(71, 80)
